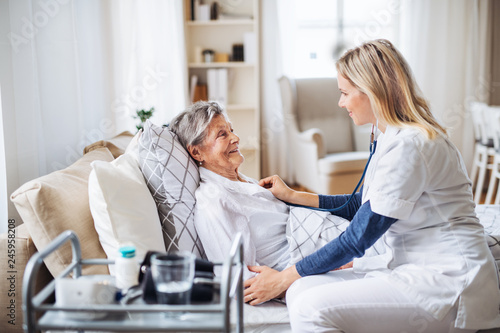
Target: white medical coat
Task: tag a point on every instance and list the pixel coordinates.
(436, 252)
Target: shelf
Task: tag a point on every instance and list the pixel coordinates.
(242, 101)
(219, 23)
(234, 64)
(144, 322)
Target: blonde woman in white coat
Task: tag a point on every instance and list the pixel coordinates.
(437, 273)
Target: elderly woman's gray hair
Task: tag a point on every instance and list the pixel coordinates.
(191, 124)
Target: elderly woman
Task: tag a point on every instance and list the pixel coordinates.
(228, 202)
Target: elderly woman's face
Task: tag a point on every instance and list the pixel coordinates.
(219, 152)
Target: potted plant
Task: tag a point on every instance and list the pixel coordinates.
(143, 115)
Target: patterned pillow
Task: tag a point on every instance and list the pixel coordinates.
(172, 178)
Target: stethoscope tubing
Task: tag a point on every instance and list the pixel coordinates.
(373, 147)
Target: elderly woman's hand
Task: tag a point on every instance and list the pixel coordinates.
(268, 284)
(281, 191)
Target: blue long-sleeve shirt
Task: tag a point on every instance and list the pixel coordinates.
(365, 229)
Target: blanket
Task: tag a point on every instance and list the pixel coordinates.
(489, 216)
(308, 230)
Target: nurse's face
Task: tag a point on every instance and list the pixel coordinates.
(356, 102)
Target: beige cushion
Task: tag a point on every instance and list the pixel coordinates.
(116, 145)
(350, 162)
(57, 202)
(11, 277)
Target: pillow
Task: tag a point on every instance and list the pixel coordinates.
(116, 145)
(58, 202)
(124, 211)
(133, 146)
(172, 178)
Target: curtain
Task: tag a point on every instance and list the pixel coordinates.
(74, 72)
(149, 63)
(447, 44)
(277, 41)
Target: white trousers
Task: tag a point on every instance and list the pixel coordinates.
(342, 301)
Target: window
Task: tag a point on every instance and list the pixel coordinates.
(326, 28)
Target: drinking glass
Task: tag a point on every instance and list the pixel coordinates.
(173, 275)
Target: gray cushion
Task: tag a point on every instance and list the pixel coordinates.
(172, 178)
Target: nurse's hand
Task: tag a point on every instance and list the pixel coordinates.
(268, 284)
(277, 187)
(346, 266)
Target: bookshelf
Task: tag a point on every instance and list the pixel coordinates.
(238, 23)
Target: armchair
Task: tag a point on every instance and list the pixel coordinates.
(328, 152)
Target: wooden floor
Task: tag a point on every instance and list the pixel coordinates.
(482, 199)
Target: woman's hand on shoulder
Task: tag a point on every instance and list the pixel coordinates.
(277, 187)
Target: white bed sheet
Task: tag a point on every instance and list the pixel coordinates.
(270, 317)
(489, 216)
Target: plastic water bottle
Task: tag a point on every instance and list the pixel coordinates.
(126, 268)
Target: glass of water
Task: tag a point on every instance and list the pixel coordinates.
(173, 275)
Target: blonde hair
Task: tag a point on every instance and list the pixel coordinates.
(378, 69)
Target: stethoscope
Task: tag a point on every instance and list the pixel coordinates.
(373, 146)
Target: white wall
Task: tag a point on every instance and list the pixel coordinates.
(3, 177)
